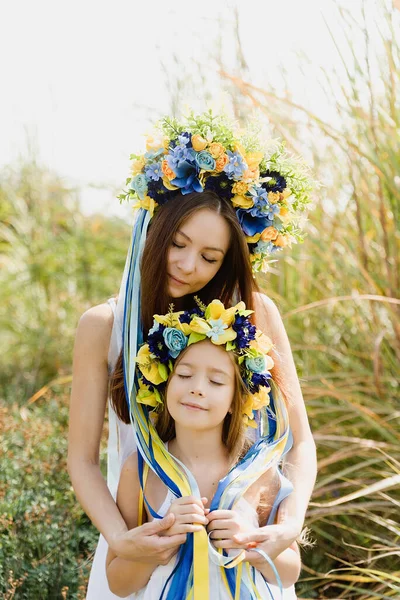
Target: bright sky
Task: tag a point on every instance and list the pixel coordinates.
(82, 80)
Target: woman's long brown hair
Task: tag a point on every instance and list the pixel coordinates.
(235, 274)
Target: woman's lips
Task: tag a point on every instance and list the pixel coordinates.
(177, 281)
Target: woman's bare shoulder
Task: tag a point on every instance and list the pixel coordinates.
(94, 329)
(264, 302)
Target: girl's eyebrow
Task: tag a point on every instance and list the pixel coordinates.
(207, 248)
(212, 369)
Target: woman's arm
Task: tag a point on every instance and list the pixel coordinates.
(288, 565)
(300, 464)
(87, 408)
(125, 576)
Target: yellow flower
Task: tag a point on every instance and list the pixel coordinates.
(238, 147)
(240, 188)
(282, 241)
(270, 233)
(166, 169)
(216, 149)
(286, 193)
(251, 174)
(145, 396)
(261, 398)
(273, 197)
(253, 240)
(283, 211)
(147, 203)
(170, 319)
(221, 162)
(154, 142)
(253, 159)
(242, 201)
(199, 325)
(149, 366)
(264, 344)
(216, 310)
(198, 142)
(137, 165)
(168, 184)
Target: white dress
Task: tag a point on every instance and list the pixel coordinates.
(121, 444)
(153, 589)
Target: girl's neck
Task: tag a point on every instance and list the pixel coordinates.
(198, 448)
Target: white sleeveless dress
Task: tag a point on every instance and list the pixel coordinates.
(121, 444)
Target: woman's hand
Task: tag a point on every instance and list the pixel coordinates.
(190, 516)
(148, 543)
(225, 525)
(272, 539)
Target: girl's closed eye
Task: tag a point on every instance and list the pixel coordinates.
(183, 376)
(217, 382)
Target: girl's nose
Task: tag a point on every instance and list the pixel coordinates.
(197, 391)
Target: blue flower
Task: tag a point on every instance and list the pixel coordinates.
(156, 327)
(277, 183)
(175, 340)
(251, 225)
(186, 178)
(153, 154)
(221, 185)
(154, 171)
(179, 154)
(236, 165)
(257, 364)
(217, 328)
(187, 316)
(271, 211)
(139, 185)
(258, 380)
(205, 161)
(185, 139)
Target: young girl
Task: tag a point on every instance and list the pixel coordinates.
(205, 372)
(197, 242)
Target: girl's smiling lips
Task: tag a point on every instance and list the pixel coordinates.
(192, 406)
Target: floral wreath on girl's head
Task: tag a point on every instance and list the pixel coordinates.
(230, 328)
(268, 188)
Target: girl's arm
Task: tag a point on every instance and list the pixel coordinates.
(300, 464)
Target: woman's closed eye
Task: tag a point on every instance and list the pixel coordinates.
(210, 260)
(176, 245)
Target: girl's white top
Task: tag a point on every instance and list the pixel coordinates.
(121, 444)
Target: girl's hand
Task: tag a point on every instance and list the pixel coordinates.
(272, 539)
(190, 515)
(224, 525)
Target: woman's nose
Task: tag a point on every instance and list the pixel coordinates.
(187, 263)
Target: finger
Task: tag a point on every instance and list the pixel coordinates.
(191, 508)
(169, 542)
(221, 535)
(216, 525)
(204, 501)
(225, 544)
(189, 528)
(206, 511)
(189, 500)
(220, 514)
(253, 536)
(193, 519)
(159, 525)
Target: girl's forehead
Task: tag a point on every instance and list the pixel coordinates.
(208, 355)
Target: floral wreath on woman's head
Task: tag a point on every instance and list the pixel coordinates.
(229, 328)
(267, 187)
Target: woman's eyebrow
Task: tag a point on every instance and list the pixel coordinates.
(207, 248)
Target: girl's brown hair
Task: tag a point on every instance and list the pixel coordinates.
(233, 431)
(234, 275)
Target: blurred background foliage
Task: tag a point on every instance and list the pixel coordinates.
(338, 294)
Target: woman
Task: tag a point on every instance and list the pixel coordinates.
(197, 244)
